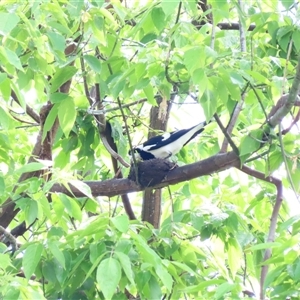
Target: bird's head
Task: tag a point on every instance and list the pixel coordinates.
(136, 152)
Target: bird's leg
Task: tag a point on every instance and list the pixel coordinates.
(170, 154)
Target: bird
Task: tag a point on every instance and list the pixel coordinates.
(168, 144)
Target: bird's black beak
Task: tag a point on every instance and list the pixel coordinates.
(131, 152)
(134, 152)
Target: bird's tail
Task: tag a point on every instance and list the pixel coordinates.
(198, 129)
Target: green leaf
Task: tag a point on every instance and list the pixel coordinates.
(288, 223)
(13, 59)
(71, 206)
(61, 76)
(197, 221)
(148, 254)
(233, 89)
(250, 144)
(296, 39)
(148, 90)
(208, 103)
(31, 167)
(294, 169)
(155, 290)
(108, 276)
(274, 162)
(76, 210)
(264, 246)
(56, 252)
(67, 115)
(82, 187)
(169, 6)
(200, 79)
(31, 212)
(31, 258)
(126, 265)
(110, 18)
(3, 77)
(259, 77)
(5, 261)
(223, 289)
(93, 63)
(57, 41)
(12, 294)
(121, 223)
(5, 89)
(66, 202)
(194, 58)
(184, 267)
(158, 18)
(96, 250)
(287, 3)
(8, 22)
(237, 79)
(58, 97)
(50, 120)
(2, 186)
(234, 256)
(202, 286)
(4, 119)
(164, 276)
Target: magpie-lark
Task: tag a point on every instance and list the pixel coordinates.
(165, 145)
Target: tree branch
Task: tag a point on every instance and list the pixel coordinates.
(274, 217)
(290, 102)
(114, 187)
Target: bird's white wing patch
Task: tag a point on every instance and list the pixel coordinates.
(165, 136)
(148, 147)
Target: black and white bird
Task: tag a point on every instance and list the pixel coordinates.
(165, 145)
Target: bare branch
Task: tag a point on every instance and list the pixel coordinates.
(274, 217)
(8, 238)
(243, 44)
(240, 104)
(290, 102)
(227, 136)
(29, 111)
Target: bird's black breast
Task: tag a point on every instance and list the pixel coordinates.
(144, 154)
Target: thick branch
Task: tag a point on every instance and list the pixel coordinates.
(159, 116)
(292, 96)
(114, 187)
(29, 111)
(224, 26)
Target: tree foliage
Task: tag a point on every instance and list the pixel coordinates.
(81, 82)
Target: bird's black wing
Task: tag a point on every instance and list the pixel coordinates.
(158, 141)
(195, 134)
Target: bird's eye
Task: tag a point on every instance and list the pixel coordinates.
(132, 151)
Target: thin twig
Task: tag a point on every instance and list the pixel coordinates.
(240, 104)
(227, 136)
(286, 163)
(129, 140)
(295, 120)
(242, 30)
(259, 100)
(274, 217)
(288, 55)
(85, 86)
(291, 99)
